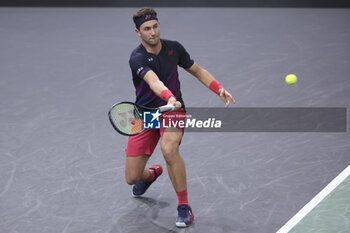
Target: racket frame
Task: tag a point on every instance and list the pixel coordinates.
(164, 108)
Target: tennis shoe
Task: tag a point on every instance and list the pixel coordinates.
(141, 187)
(185, 216)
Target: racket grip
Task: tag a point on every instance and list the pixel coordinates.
(166, 108)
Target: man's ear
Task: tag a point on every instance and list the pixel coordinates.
(137, 32)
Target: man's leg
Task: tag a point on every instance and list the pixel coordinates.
(137, 175)
(170, 143)
(135, 168)
(138, 151)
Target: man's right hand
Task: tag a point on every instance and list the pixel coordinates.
(175, 103)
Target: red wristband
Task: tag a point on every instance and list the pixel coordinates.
(215, 86)
(166, 94)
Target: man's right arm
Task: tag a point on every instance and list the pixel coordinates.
(141, 69)
(160, 89)
(154, 83)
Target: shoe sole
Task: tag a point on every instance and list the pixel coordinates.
(184, 225)
(135, 196)
(181, 224)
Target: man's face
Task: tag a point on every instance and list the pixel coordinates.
(149, 32)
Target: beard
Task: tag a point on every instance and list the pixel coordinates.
(153, 42)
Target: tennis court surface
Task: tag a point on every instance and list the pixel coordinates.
(62, 164)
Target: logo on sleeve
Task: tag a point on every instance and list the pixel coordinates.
(139, 70)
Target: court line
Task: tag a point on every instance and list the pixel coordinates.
(315, 201)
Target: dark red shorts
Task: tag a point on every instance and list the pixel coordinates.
(145, 142)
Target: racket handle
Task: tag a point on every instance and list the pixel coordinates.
(165, 108)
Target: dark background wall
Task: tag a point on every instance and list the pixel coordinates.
(179, 3)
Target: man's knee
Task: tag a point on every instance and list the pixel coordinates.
(170, 143)
(170, 151)
(168, 148)
(134, 168)
(132, 179)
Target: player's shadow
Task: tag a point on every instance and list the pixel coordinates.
(144, 218)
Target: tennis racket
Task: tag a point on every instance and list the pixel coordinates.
(127, 117)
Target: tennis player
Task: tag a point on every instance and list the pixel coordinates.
(154, 70)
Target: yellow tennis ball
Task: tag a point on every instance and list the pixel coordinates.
(291, 79)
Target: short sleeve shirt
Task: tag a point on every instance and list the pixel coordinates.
(165, 64)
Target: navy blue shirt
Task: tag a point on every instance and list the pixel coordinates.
(164, 65)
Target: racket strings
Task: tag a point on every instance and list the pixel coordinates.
(137, 122)
(127, 118)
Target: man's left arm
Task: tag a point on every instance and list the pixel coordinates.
(209, 81)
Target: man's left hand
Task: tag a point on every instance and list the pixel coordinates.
(226, 97)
